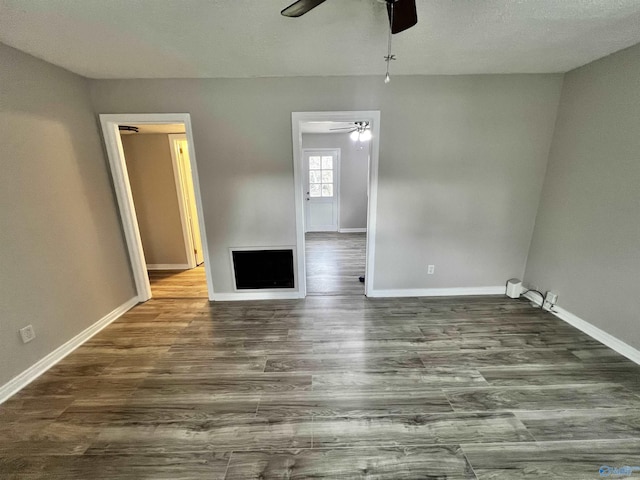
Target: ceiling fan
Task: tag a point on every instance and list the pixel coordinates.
(360, 131)
(402, 16)
(402, 13)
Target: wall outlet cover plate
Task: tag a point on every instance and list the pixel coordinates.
(27, 333)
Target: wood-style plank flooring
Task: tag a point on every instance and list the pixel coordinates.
(178, 283)
(335, 261)
(336, 387)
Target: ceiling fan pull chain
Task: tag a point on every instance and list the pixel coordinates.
(390, 56)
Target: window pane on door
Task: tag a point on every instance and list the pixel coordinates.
(314, 190)
(314, 176)
(321, 178)
(314, 163)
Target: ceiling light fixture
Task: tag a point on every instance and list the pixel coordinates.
(365, 136)
(362, 133)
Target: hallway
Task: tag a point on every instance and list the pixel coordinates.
(179, 283)
(334, 263)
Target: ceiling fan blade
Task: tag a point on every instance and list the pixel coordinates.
(299, 8)
(344, 128)
(405, 15)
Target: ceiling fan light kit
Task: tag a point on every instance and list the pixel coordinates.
(359, 132)
(365, 136)
(402, 15)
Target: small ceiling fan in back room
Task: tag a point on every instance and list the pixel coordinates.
(359, 131)
(402, 15)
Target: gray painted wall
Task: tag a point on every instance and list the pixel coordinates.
(462, 161)
(62, 256)
(155, 197)
(354, 172)
(586, 243)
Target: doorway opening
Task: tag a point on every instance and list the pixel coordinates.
(335, 171)
(155, 177)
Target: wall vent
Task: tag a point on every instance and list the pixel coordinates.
(261, 269)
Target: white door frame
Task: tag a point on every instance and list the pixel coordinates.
(182, 207)
(115, 153)
(297, 118)
(336, 179)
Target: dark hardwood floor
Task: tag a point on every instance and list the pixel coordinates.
(336, 387)
(334, 263)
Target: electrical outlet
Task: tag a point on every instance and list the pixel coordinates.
(27, 333)
(431, 269)
(551, 298)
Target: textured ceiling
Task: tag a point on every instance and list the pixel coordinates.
(249, 38)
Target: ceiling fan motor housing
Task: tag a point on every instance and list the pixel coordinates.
(402, 13)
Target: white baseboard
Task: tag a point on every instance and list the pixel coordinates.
(352, 230)
(533, 297)
(20, 381)
(438, 292)
(168, 266)
(594, 332)
(245, 296)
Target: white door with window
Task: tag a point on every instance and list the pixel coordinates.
(321, 190)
